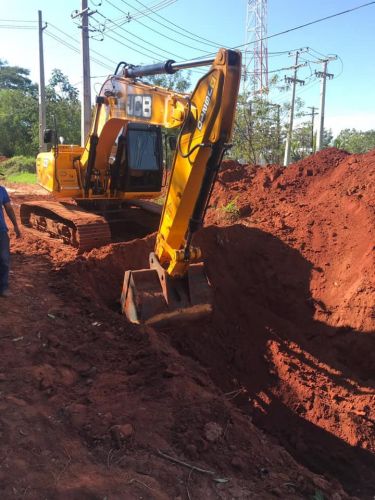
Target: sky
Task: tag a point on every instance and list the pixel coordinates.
(125, 30)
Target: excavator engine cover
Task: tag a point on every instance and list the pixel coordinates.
(150, 296)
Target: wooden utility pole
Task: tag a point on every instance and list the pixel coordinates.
(42, 86)
(293, 80)
(86, 78)
(86, 86)
(323, 75)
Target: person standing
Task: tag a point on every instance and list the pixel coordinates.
(4, 240)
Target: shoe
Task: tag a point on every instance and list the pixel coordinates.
(5, 293)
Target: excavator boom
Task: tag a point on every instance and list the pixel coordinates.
(176, 285)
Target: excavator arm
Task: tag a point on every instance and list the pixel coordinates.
(175, 285)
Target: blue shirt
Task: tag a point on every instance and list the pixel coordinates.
(4, 198)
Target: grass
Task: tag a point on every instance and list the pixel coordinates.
(22, 178)
(231, 209)
(19, 169)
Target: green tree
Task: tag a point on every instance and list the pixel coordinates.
(16, 78)
(180, 82)
(355, 141)
(327, 137)
(260, 126)
(63, 107)
(259, 133)
(18, 123)
(18, 111)
(301, 142)
(59, 87)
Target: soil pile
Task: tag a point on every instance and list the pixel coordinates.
(293, 272)
(106, 407)
(323, 207)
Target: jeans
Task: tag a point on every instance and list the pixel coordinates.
(4, 261)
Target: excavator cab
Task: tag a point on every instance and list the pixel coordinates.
(138, 165)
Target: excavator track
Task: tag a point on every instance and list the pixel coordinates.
(67, 222)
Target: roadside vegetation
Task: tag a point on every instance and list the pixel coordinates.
(231, 210)
(19, 169)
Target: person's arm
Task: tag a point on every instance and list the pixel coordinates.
(12, 216)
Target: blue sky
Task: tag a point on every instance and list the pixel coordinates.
(350, 95)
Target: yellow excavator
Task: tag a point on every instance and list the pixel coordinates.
(122, 162)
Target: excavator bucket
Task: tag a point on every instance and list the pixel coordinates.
(150, 296)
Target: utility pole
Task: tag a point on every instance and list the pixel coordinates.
(278, 133)
(293, 80)
(86, 79)
(42, 86)
(250, 129)
(86, 86)
(312, 114)
(278, 128)
(323, 75)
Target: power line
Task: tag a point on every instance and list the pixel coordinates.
(137, 37)
(182, 32)
(16, 21)
(304, 25)
(77, 41)
(147, 55)
(159, 33)
(314, 22)
(154, 8)
(133, 42)
(139, 45)
(74, 49)
(93, 51)
(14, 27)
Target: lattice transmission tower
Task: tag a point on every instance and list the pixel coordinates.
(256, 52)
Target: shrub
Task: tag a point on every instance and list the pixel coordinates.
(18, 164)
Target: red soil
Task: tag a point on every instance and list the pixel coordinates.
(275, 392)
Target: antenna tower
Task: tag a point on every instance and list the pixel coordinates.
(256, 51)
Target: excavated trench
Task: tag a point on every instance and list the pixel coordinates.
(295, 376)
(291, 338)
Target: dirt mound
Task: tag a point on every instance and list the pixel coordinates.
(321, 206)
(295, 308)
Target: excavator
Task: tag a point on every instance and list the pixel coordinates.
(122, 163)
